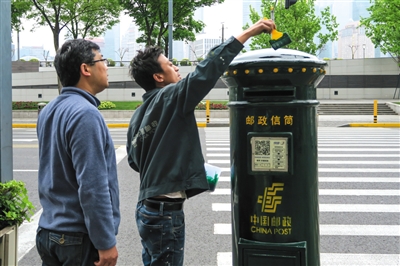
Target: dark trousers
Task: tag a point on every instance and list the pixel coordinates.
(66, 249)
(162, 234)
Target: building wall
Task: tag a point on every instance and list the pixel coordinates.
(369, 78)
(372, 78)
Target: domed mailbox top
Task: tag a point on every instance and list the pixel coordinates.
(271, 55)
(275, 68)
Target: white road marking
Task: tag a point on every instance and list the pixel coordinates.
(27, 235)
(334, 192)
(335, 259)
(334, 230)
(356, 208)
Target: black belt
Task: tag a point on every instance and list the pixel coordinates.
(168, 205)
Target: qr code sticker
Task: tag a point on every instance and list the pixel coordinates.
(262, 147)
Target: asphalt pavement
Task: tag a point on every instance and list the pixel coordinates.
(29, 257)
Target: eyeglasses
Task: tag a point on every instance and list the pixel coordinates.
(100, 60)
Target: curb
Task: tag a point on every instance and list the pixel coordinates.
(27, 125)
(204, 124)
(397, 125)
(123, 125)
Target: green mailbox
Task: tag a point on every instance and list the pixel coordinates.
(274, 160)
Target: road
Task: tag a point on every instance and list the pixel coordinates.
(359, 176)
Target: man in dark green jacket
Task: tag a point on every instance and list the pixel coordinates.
(163, 142)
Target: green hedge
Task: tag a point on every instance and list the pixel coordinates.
(185, 62)
(24, 105)
(106, 105)
(125, 105)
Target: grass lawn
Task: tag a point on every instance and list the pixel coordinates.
(126, 105)
(132, 105)
(123, 105)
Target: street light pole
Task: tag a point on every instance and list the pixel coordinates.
(6, 158)
(364, 50)
(18, 44)
(170, 9)
(222, 39)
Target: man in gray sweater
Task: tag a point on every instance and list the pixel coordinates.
(78, 186)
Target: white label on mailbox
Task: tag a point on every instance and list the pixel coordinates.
(269, 154)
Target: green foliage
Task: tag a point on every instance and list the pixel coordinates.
(14, 204)
(33, 60)
(199, 59)
(106, 105)
(174, 61)
(382, 26)
(19, 8)
(118, 105)
(185, 62)
(91, 18)
(300, 22)
(151, 16)
(24, 105)
(80, 18)
(213, 106)
(111, 63)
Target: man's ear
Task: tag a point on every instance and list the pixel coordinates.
(158, 77)
(85, 70)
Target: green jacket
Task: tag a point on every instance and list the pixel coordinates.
(163, 140)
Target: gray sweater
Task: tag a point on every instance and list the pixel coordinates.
(78, 185)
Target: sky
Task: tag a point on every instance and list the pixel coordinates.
(228, 12)
(42, 36)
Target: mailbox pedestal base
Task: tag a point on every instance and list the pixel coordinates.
(264, 253)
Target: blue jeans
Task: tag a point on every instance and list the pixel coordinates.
(162, 235)
(67, 249)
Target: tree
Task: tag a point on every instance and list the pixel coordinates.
(382, 26)
(300, 22)
(92, 18)
(121, 53)
(79, 17)
(59, 14)
(151, 16)
(18, 10)
(50, 13)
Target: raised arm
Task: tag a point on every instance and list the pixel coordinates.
(263, 25)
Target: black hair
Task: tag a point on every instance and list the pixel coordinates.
(70, 57)
(144, 65)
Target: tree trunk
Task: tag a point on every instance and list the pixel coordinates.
(56, 34)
